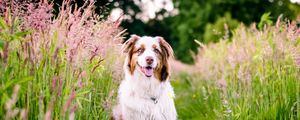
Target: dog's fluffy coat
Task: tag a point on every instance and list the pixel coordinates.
(146, 92)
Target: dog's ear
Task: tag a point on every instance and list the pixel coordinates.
(128, 48)
(167, 53)
(129, 44)
(165, 47)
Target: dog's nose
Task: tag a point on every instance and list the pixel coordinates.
(149, 60)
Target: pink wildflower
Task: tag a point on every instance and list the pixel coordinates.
(69, 101)
(38, 16)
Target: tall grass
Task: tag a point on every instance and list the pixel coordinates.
(56, 67)
(253, 75)
(64, 67)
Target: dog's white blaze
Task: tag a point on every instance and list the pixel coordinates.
(148, 42)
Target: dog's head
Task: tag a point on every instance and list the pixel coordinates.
(149, 56)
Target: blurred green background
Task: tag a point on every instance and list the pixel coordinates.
(182, 21)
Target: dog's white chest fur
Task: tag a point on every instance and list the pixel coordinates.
(144, 98)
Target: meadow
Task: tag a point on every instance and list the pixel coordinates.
(69, 67)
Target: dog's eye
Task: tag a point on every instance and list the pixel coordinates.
(156, 50)
(140, 51)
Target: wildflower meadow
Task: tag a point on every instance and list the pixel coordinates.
(69, 65)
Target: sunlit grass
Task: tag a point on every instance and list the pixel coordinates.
(254, 76)
(57, 89)
(59, 70)
(276, 96)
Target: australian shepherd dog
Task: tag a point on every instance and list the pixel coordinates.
(146, 92)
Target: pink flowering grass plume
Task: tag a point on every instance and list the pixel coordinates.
(82, 34)
(179, 67)
(87, 37)
(38, 16)
(78, 31)
(248, 49)
(71, 49)
(10, 106)
(69, 101)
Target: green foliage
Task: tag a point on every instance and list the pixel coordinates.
(197, 100)
(195, 18)
(265, 19)
(11, 31)
(221, 28)
(1, 44)
(275, 95)
(48, 87)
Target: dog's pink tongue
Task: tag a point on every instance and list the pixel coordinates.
(148, 72)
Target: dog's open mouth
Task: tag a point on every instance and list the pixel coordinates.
(148, 71)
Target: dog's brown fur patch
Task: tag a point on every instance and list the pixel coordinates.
(162, 71)
(133, 58)
(128, 47)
